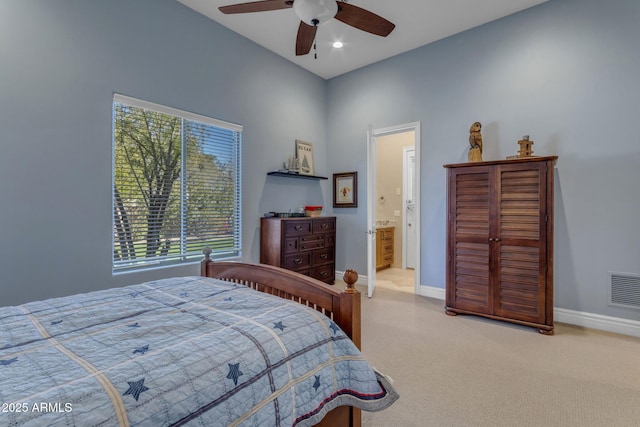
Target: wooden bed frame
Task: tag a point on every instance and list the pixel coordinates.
(342, 307)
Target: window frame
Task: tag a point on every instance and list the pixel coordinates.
(183, 258)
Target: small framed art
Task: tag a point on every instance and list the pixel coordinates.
(304, 154)
(345, 190)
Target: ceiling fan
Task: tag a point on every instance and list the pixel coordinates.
(315, 12)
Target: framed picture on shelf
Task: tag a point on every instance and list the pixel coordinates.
(304, 154)
(345, 190)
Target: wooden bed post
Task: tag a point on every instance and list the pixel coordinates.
(350, 303)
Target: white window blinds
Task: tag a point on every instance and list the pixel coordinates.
(176, 185)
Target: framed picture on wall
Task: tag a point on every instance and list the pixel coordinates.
(345, 190)
(304, 154)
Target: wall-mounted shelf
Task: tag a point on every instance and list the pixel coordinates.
(296, 175)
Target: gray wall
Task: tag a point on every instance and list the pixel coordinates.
(61, 62)
(565, 72)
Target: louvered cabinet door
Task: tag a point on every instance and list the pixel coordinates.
(519, 241)
(468, 271)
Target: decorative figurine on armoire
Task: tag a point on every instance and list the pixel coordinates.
(475, 140)
(525, 147)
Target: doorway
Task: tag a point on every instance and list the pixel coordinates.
(393, 207)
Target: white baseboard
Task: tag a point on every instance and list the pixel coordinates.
(578, 318)
(432, 292)
(597, 321)
(425, 291)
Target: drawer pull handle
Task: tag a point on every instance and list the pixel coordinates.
(324, 256)
(298, 227)
(324, 225)
(324, 273)
(297, 261)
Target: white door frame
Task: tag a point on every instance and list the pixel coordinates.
(372, 134)
(405, 190)
(371, 212)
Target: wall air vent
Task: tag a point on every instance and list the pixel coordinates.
(624, 290)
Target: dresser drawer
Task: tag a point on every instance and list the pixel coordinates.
(324, 225)
(311, 242)
(385, 235)
(322, 256)
(297, 261)
(325, 273)
(297, 228)
(329, 240)
(291, 245)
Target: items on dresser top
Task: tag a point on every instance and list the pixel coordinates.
(284, 214)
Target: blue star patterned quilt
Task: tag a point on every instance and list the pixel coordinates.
(182, 351)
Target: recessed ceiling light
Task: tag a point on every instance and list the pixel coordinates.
(337, 45)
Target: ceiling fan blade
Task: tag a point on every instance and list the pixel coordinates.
(363, 19)
(305, 38)
(256, 6)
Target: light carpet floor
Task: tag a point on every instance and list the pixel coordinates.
(470, 371)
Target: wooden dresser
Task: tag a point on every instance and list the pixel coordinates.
(306, 245)
(384, 247)
(500, 240)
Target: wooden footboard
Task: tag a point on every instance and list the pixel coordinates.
(343, 307)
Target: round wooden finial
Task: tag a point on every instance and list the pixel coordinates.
(207, 253)
(350, 277)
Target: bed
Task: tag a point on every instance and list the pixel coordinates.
(204, 350)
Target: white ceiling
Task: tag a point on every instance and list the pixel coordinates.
(418, 22)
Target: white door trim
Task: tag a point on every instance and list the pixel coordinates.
(372, 135)
(405, 190)
(371, 212)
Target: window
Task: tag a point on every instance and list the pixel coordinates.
(176, 185)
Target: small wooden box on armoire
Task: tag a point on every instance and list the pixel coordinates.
(500, 240)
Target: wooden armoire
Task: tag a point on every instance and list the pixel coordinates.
(500, 240)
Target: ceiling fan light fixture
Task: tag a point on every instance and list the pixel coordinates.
(315, 12)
